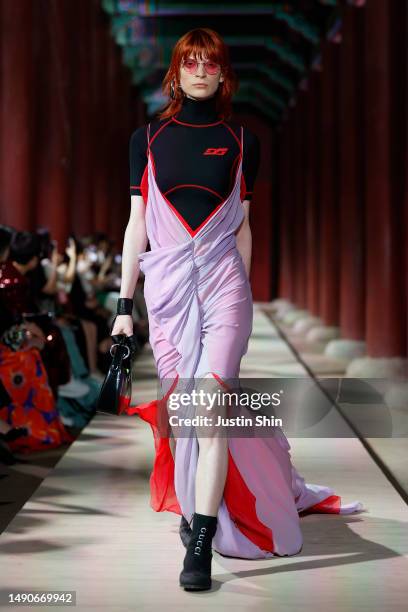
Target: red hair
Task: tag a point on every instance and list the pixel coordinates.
(207, 43)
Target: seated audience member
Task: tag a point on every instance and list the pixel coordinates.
(28, 402)
(85, 305)
(17, 297)
(85, 330)
(43, 277)
(77, 398)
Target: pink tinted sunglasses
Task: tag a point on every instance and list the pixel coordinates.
(210, 67)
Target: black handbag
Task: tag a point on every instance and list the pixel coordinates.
(116, 391)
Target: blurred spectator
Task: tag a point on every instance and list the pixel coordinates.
(16, 295)
(56, 313)
(28, 401)
(85, 305)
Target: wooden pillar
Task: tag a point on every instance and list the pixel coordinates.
(329, 227)
(293, 227)
(399, 159)
(312, 191)
(385, 305)
(287, 215)
(298, 226)
(404, 134)
(100, 45)
(284, 182)
(262, 210)
(121, 216)
(52, 126)
(16, 202)
(82, 117)
(351, 177)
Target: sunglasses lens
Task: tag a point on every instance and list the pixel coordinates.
(211, 67)
(192, 65)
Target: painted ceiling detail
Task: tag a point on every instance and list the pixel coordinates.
(273, 45)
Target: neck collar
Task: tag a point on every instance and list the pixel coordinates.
(198, 112)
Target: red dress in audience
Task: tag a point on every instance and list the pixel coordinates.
(32, 403)
(24, 376)
(16, 297)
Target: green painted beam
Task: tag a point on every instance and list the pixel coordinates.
(122, 35)
(133, 59)
(281, 11)
(147, 31)
(258, 89)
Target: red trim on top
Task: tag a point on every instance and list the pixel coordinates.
(179, 216)
(197, 125)
(234, 135)
(233, 169)
(144, 185)
(243, 187)
(194, 232)
(157, 133)
(198, 187)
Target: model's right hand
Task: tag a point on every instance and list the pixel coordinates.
(123, 325)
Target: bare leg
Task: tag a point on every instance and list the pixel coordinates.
(211, 474)
(212, 462)
(212, 459)
(209, 486)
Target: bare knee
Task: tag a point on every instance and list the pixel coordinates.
(211, 408)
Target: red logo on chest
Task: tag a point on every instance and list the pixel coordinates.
(219, 151)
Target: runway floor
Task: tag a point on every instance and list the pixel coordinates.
(89, 527)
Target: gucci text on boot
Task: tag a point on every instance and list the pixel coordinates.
(199, 543)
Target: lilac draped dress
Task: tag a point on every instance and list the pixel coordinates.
(200, 312)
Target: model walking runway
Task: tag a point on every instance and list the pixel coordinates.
(200, 316)
(241, 495)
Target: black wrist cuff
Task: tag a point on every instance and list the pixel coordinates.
(125, 306)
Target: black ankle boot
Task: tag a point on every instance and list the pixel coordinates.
(185, 531)
(196, 574)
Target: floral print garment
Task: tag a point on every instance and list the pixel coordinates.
(33, 406)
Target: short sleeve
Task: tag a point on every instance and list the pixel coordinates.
(137, 159)
(250, 162)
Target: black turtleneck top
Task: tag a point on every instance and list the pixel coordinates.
(195, 157)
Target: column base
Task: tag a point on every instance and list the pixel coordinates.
(397, 397)
(280, 307)
(344, 348)
(378, 367)
(294, 315)
(322, 333)
(303, 325)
